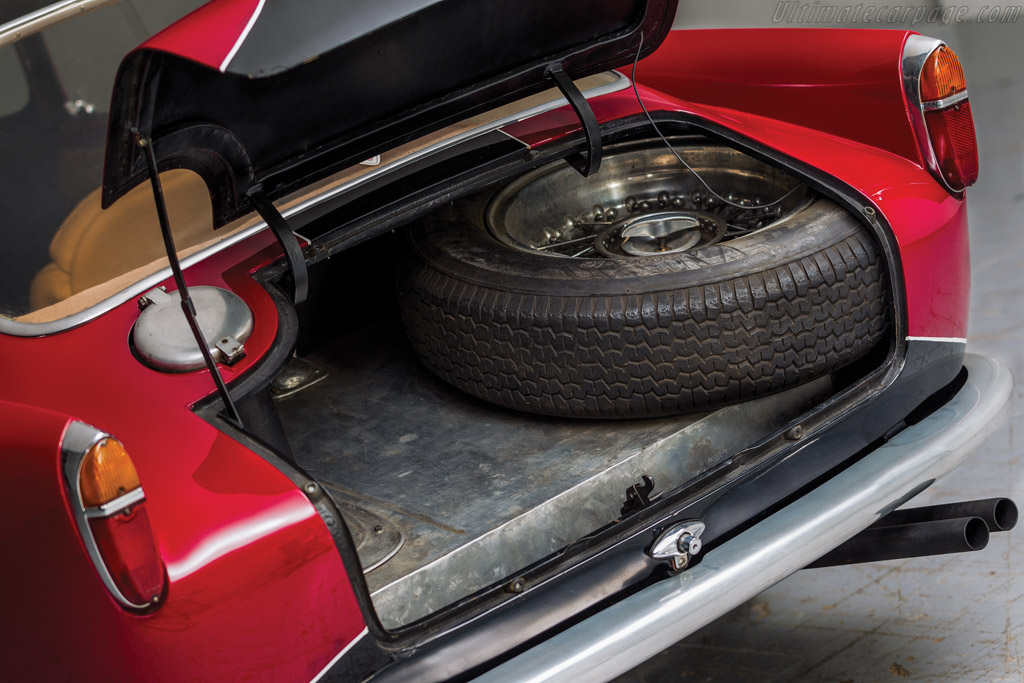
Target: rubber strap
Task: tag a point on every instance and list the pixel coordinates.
(589, 163)
(285, 236)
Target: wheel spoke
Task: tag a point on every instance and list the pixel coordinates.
(574, 240)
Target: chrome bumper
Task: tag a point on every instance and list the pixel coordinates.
(642, 625)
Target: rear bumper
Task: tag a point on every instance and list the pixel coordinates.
(622, 636)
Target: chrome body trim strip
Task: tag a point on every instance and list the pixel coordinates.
(640, 626)
(43, 18)
(242, 36)
(25, 329)
(117, 505)
(935, 105)
(948, 340)
(341, 654)
(77, 440)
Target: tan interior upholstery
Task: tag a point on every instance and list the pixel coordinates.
(95, 245)
(97, 254)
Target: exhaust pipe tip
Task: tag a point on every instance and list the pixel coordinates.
(976, 534)
(915, 539)
(1004, 514)
(918, 532)
(1000, 514)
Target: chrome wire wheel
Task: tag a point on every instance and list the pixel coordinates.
(643, 202)
(637, 293)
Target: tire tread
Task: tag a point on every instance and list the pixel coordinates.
(655, 353)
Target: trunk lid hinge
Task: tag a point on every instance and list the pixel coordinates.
(589, 163)
(286, 238)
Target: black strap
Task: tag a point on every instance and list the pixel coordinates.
(284, 234)
(589, 163)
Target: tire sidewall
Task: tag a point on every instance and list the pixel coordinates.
(456, 242)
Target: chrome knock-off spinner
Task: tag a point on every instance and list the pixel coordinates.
(659, 234)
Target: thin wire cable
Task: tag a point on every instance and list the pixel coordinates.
(672, 149)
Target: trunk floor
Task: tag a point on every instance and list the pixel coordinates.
(470, 493)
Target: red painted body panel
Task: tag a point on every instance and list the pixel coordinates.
(257, 588)
(840, 81)
(43, 563)
(207, 35)
(929, 224)
(847, 83)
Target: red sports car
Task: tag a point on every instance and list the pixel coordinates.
(442, 339)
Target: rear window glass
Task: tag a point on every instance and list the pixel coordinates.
(14, 94)
(55, 89)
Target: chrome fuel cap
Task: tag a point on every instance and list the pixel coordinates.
(164, 340)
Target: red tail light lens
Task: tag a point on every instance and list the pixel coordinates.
(126, 544)
(110, 510)
(951, 132)
(940, 112)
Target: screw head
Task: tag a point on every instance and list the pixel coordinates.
(688, 544)
(310, 488)
(516, 585)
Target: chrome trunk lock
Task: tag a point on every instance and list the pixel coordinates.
(678, 544)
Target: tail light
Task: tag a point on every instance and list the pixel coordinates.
(940, 111)
(109, 507)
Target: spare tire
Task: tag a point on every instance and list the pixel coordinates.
(623, 334)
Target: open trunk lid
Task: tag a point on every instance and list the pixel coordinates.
(280, 94)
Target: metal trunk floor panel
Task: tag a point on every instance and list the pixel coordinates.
(477, 491)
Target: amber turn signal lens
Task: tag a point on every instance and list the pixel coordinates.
(106, 473)
(942, 76)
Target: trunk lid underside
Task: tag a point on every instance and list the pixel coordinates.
(302, 94)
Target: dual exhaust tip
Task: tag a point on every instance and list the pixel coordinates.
(918, 532)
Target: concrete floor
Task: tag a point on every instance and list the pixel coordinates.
(951, 618)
